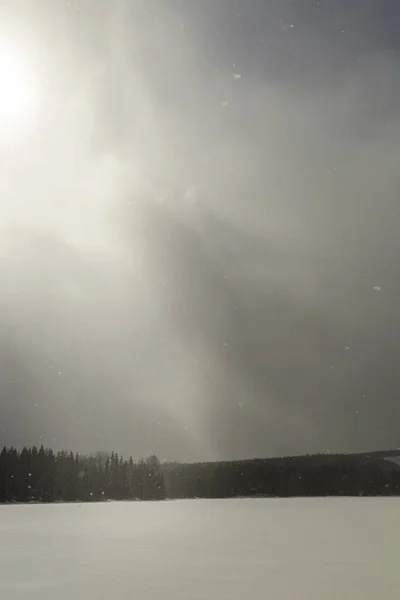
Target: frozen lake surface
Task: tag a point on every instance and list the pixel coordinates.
(297, 549)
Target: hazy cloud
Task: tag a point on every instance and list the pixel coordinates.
(199, 229)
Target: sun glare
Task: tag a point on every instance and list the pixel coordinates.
(16, 91)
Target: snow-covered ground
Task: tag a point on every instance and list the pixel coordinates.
(291, 549)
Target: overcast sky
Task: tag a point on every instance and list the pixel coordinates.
(199, 245)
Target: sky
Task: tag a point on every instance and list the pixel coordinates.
(199, 222)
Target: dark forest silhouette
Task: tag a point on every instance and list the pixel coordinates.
(42, 475)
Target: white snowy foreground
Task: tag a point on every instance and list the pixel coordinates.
(291, 549)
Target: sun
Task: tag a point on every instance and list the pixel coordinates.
(17, 96)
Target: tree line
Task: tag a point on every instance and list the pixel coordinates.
(42, 475)
(314, 475)
(45, 476)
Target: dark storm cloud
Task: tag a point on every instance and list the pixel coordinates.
(242, 299)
